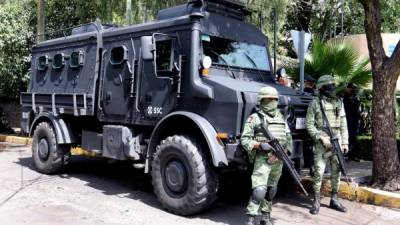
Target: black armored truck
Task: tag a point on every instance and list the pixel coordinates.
(171, 96)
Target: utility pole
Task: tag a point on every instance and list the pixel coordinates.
(40, 20)
(274, 16)
(302, 53)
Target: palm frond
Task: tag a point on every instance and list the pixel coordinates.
(336, 58)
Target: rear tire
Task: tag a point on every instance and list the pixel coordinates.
(48, 156)
(182, 177)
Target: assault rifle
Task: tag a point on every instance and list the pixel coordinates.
(280, 153)
(336, 149)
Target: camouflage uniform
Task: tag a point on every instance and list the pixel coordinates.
(335, 113)
(314, 124)
(265, 174)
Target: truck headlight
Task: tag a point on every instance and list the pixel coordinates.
(206, 62)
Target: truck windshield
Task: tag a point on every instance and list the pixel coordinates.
(237, 54)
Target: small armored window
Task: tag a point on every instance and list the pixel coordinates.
(43, 62)
(164, 55)
(58, 61)
(77, 59)
(119, 55)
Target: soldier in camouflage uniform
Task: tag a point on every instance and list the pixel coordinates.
(267, 167)
(335, 113)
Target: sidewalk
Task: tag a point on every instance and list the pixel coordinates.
(355, 190)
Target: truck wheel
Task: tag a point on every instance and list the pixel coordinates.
(182, 177)
(48, 156)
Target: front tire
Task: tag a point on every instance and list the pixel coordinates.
(182, 177)
(48, 156)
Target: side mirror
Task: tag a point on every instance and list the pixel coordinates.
(281, 72)
(147, 47)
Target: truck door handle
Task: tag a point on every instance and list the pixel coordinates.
(108, 97)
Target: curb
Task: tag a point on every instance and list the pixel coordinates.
(353, 192)
(28, 141)
(350, 191)
(15, 140)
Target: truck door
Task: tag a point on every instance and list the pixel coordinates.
(118, 70)
(160, 79)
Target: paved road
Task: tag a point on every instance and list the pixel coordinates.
(98, 192)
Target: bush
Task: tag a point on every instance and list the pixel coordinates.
(365, 146)
(16, 37)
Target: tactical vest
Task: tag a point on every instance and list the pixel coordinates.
(276, 126)
(332, 111)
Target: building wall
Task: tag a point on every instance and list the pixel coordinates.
(360, 43)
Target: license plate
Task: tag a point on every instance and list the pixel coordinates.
(300, 123)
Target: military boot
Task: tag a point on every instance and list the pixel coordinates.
(250, 220)
(335, 204)
(316, 204)
(266, 219)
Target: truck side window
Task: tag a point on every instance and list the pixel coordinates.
(77, 59)
(42, 62)
(118, 55)
(58, 61)
(164, 56)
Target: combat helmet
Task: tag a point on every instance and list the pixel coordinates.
(324, 80)
(267, 92)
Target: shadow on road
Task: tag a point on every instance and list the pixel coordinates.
(121, 179)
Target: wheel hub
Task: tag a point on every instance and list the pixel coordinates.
(43, 149)
(176, 176)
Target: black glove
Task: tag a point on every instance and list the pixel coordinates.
(265, 146)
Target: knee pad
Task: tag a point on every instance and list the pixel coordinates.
(271, 193)
(259, 194)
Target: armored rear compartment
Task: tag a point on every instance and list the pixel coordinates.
(64, 75)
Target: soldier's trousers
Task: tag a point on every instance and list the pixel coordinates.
(320, 161)
(264, 174)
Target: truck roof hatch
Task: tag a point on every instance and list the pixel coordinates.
(91, 27)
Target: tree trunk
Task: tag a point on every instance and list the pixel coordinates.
(385, 72)
(40, 21)
(384, 147)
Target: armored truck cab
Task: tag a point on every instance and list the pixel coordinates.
(170, 95)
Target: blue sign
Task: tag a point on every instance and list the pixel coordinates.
(391, 49)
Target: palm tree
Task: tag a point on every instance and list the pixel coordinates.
(336, 58)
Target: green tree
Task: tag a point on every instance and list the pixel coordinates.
(323, 17)
(262, 17)
(16, 37)
(61, 15)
